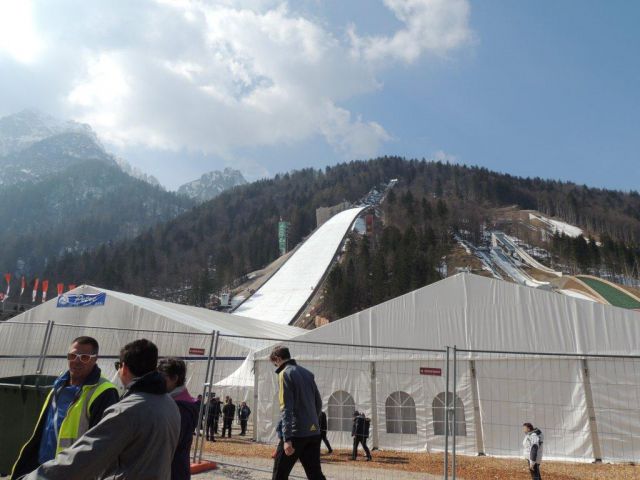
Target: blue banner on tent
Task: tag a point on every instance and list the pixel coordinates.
(82, 300)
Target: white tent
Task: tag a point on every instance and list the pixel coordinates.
(115, 318)
(588, 407)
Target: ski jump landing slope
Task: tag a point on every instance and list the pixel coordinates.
(287, 292)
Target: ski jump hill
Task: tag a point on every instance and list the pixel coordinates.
(287, 292)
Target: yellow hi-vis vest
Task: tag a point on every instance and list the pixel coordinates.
(76, 422)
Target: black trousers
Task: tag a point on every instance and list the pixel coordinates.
(226, 425)
(326, 441)
(211, 428)
(307, 450)
(243, 426)
(535, 473)
(363, 441)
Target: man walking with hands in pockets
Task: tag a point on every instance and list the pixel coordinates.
(300, 407)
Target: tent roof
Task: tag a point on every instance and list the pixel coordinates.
(122, 310)
(474, 312)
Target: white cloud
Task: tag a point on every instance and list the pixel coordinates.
(215, 77)
(431, 26)
(444, 157)
(18, 36)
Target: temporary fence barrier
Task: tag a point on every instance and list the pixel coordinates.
(443, 403)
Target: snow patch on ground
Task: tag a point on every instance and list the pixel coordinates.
(558, 226)
(576, 294)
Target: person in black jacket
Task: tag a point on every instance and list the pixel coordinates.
(228, 414)
(300, 407)
(174, 371)
(360, 433)
(243, 415)
(213, 417)
(323, 431)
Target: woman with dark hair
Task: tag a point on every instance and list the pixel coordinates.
(174, 371)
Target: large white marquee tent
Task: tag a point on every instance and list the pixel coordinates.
(118, 318)
(588, 407)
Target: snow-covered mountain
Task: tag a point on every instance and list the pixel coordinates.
(23, 129)
(34, 146)
(212, 184)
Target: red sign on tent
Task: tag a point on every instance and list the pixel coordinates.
(436, 372)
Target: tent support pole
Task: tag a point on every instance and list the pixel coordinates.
(477, 420)
(446, 418)
(591, 412)
(374, 407)
(255, 400)
(43, 348)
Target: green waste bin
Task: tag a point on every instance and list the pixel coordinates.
(21, 400)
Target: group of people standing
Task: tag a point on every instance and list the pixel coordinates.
(226, 410)
(86, 430)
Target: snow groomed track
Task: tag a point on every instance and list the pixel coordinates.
(285, 294)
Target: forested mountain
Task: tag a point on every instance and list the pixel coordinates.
(235, 233)
(77, 209)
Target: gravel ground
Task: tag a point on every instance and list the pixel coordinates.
(401, 466)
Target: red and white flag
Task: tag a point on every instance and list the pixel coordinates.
(45, 287)
(7, 277)
(23, 283)
(35, 290)
(60, 288)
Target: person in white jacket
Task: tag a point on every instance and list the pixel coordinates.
(532, 446)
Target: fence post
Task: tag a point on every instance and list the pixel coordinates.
(203, 403)
(208, 389)
(446, 418)
(45, 347)
(455, 423)
(477, 420)
(591, 412)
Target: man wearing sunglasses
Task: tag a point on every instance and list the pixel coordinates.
(137, 437)
(75, 404)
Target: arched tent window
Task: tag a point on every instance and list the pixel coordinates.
(340, 412)
(439, 415)
(400, 411)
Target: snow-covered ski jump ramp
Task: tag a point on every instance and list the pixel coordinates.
(287, 292)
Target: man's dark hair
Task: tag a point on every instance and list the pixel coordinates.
(528, 425)
(87, 341)
(280, 352)
(140, 356)
(173, 367)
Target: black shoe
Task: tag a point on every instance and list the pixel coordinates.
(330, 451)
(369, 459)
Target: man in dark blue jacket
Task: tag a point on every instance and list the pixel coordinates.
(300, 407)
(243, 415)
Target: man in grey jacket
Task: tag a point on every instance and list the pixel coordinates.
(137, 436)
(300, 407)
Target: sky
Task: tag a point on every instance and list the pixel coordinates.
(541, 88)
